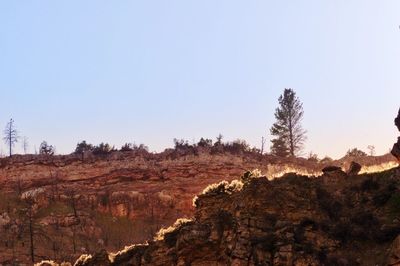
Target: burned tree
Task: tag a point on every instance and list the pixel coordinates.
(10, 135)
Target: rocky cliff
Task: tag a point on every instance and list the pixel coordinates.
(72, 206)
(333, 219)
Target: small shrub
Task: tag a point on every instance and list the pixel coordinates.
(46, 149)
(224, 187)
(83, 147)
(355, 153)
(127, 147)
(312, 157)
(102, 149)
(249, 175)
(326, 159)
(205, 143)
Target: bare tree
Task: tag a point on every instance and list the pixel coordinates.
(262, 145)
(371, 149)
(25, 144)
(10, 135)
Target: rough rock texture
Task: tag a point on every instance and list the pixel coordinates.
(108, 202)
(354, 168)
(294, 220)
(394, 256)
(396, 147)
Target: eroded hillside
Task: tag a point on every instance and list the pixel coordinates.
(76, 206)
(334, 219)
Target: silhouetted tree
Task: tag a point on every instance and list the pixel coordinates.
(313, 157)
(205, 143)
(83, 147)
(46, 149)
(127, 147)
(371, 149)
(102, 149)
(219, 140)
(279, 148)
(288, 132)
(10, 135)
(355, 153)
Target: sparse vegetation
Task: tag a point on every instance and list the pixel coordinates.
(83, 147)
(355, 153)
(169, 235)
(224, 187)
(102, 149)
(46, 149)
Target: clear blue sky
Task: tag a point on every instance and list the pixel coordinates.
(150, 71)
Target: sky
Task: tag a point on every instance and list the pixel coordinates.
(151, 71)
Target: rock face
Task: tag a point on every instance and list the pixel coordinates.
(354, 168)
(294, 220)
(394, 256)
(396, 147)
(108, 202)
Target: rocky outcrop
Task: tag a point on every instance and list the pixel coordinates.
(354, 168)
(396, 147)
(294, 220)
(85, 206)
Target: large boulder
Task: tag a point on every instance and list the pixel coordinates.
(354, 169)
(396, 147)
(331, 168)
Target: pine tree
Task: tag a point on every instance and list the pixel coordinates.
(279, 148)
(287, 130)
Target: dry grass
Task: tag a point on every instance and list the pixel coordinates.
(175, 227)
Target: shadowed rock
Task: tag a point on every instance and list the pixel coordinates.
(354, 169)
(293, 220)
(331, 168)
(396, 147)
